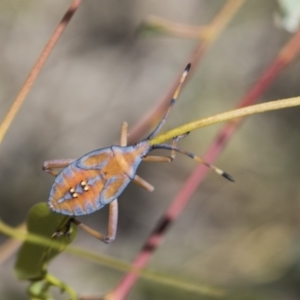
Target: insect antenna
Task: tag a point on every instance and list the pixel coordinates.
(173, 100)
(194, 157)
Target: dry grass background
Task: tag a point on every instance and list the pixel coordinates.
(243, 235)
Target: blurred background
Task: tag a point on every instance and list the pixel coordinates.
(241, 236)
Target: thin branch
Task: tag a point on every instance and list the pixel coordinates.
(111, 262)
(10, 246)
(217, 25)
(172, 28)
(155, 239)
(214, 29)
(17, 103)
(227, 116)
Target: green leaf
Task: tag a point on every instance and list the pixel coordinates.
(33, 259)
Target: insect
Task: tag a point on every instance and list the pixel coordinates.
(98, 178)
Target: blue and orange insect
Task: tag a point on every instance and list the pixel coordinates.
(98, 178)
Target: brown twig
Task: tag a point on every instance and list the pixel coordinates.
(215, 28)
(17, 103)
(213, 31)
(175, 29)
(10, 246)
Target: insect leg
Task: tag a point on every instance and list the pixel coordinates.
(123, 142)
(111, 227)
(65, 231)
(89, 230)
(50, 166)
(153, 158)
(112, 221)
(143, 183)
(124, 133)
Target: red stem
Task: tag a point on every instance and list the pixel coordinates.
(178, 204)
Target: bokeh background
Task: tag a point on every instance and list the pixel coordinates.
(241, 236)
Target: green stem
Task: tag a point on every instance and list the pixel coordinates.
(53, 281)
(226, 116)
(114, 263)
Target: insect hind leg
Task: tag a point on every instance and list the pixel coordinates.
(51, 166)
(111, 227)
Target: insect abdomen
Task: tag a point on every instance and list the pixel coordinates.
(76, 191)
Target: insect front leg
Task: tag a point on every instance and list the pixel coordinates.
(137, 179)
(111, 226)
(50, 166)
(153, 158)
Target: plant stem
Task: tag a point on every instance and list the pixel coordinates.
(226, 116)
